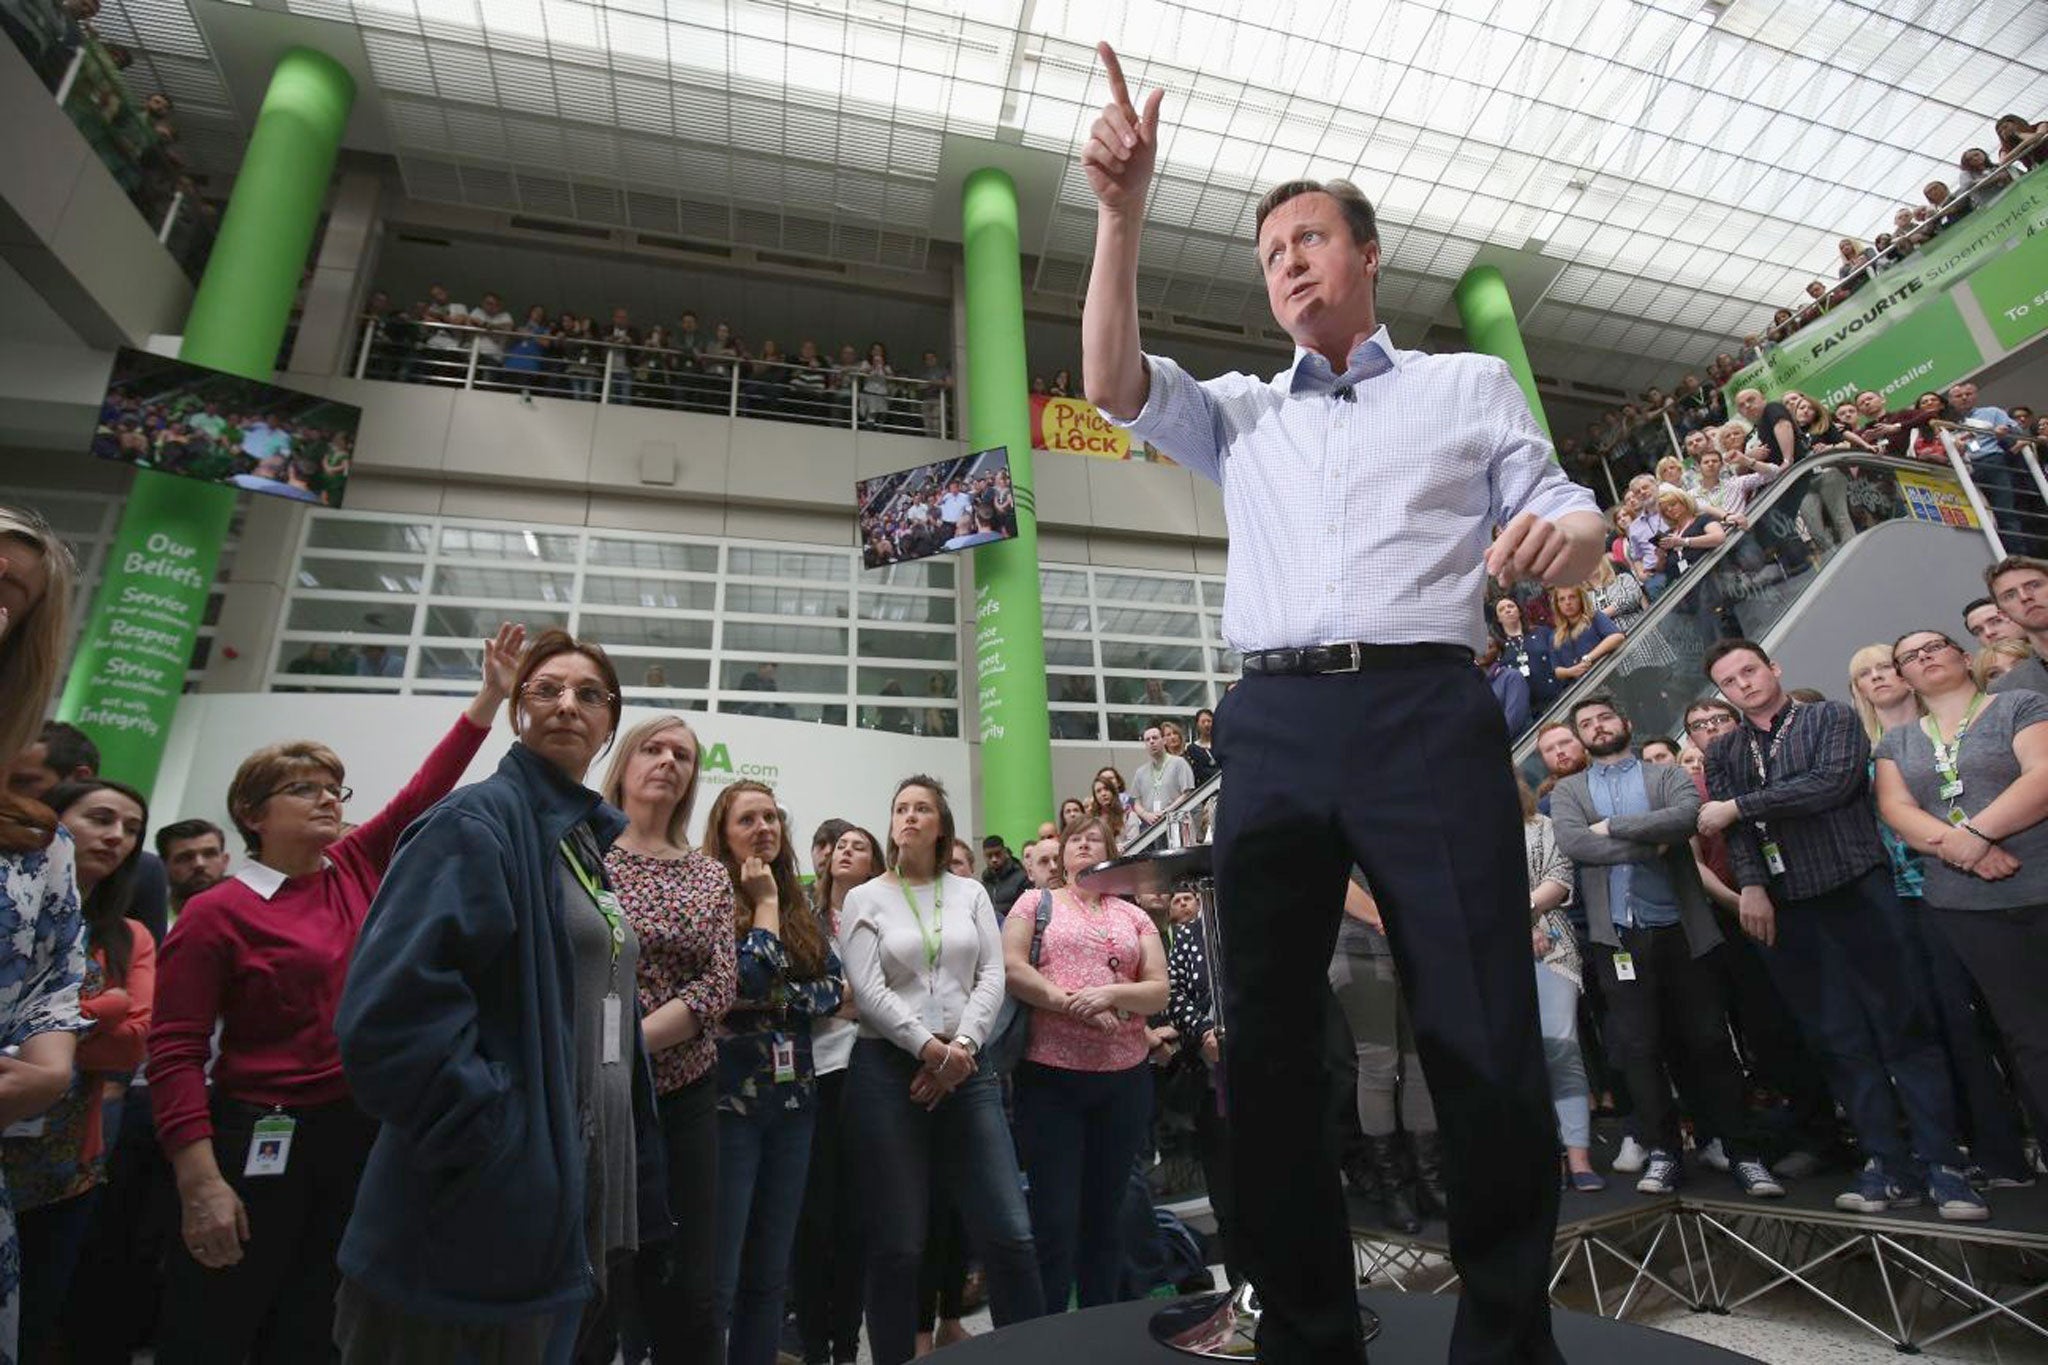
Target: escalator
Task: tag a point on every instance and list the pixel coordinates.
(1917, 555)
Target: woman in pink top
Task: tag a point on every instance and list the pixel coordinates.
(267, 1163)
(1084, 1089)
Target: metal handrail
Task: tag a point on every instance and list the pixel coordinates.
(1782, 488)
(1194, 803)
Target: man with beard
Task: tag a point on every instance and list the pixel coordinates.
(1628, 826)
(195, 857)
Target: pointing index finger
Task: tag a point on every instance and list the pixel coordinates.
(1120, 91)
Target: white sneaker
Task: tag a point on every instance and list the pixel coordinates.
(1631, 1158)
(1714, 1155)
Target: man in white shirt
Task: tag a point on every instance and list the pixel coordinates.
(1159, 781)
(1369, 491)
(494, 325)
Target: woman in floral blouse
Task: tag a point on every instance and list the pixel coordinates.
(788, 976)
(42, 943)
(679, 902)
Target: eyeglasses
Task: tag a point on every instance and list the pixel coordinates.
(548, 692)
(313, 791)
(1713, 721)
(1926, 651)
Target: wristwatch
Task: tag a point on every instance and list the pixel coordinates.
(973, 1048)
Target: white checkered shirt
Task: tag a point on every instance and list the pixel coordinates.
(1362, 519)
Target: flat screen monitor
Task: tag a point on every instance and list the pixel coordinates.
(199, 423)
(937, 508)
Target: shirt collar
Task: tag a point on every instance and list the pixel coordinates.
(1617, 769)
(268, 881)
(1372, 357)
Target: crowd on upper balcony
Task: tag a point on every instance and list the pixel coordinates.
(618, 359)
(1633, 437)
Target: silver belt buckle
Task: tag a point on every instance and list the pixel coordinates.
(1356, 659)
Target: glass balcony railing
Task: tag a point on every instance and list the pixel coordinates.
(1749, 583)
(420, 351)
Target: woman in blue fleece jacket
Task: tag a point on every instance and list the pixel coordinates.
(489, 1023)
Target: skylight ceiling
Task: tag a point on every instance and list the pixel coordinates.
(1682, 165)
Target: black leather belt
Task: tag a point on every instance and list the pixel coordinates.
(1352, 658)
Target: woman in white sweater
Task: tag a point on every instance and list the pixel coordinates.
(924, 959)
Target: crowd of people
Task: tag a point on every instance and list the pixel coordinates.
(956, 505)
(181, 431)
(1671, 517)
(1633, 437)
(686, 367)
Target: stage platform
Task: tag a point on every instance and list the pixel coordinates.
(1906, 1276)
(1415, 1329)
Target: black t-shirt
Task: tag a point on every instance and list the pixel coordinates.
(1767, 426)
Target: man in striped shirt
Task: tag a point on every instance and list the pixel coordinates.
(1364, 487)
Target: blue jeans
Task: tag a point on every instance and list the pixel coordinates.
(763, 1160)
(1080, 1131)
(1557, 1003)
(1847, 968)
(900, 1150)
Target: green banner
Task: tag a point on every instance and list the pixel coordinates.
(2013, 291)
(1832, 357)
(130, 669)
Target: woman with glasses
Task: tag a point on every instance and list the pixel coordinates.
(1968, 786)
(490, 1024)
(1084, 1088)
(924, 959)
(1885, 701)
(265, 954)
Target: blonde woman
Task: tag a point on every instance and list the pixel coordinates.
(1582, 636)
(1558, 983)
(1999, 658)
(42, 955)
(1826, 507)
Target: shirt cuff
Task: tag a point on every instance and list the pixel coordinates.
(1154, 399)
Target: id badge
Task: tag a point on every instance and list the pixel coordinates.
(785, 1060)
(270, 1145)
(1523, 668)
(1774, 859)
(1956, 815)
(614, 1026)
(934, 1012)
(1624, 967)
(25, 1128)
(1950, 790)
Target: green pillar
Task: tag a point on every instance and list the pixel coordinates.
(1489, 317)
(125, 683)
(1009, 626)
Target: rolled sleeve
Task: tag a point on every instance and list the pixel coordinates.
(1526, 474)
(1179, 417)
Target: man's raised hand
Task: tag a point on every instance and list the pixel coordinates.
(1123, 144)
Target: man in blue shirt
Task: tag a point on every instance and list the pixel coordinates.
(1364, 487)
(1653, 935)
(1998, 471)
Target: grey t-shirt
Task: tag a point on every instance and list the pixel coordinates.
(2026, 675)
(604, 1090)
(1987, 767)
(1156, 791)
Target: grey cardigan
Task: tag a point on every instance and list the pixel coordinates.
(1674, 813)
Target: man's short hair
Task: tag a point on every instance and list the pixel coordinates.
(179, 831)
(66, 750)
(2010, 564)
(1975, 603)
(1357, 209)
(1726, 708)
(1588, 703)
(829, 832)
(1665, 740)
(1554, 725)
(994, 841)
(1721, 649)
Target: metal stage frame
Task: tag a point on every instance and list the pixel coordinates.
(1906, 1277)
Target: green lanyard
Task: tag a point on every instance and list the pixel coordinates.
(933, 932)
(1948, 757)
(607, 904)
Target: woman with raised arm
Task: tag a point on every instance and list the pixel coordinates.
(679, 903)
(52, 1174)
(925, 961)
(266, 1157)
(1084, 1088)
(490, 1025)
(789, 977)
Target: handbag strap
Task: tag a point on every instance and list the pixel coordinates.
(1039, 919)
